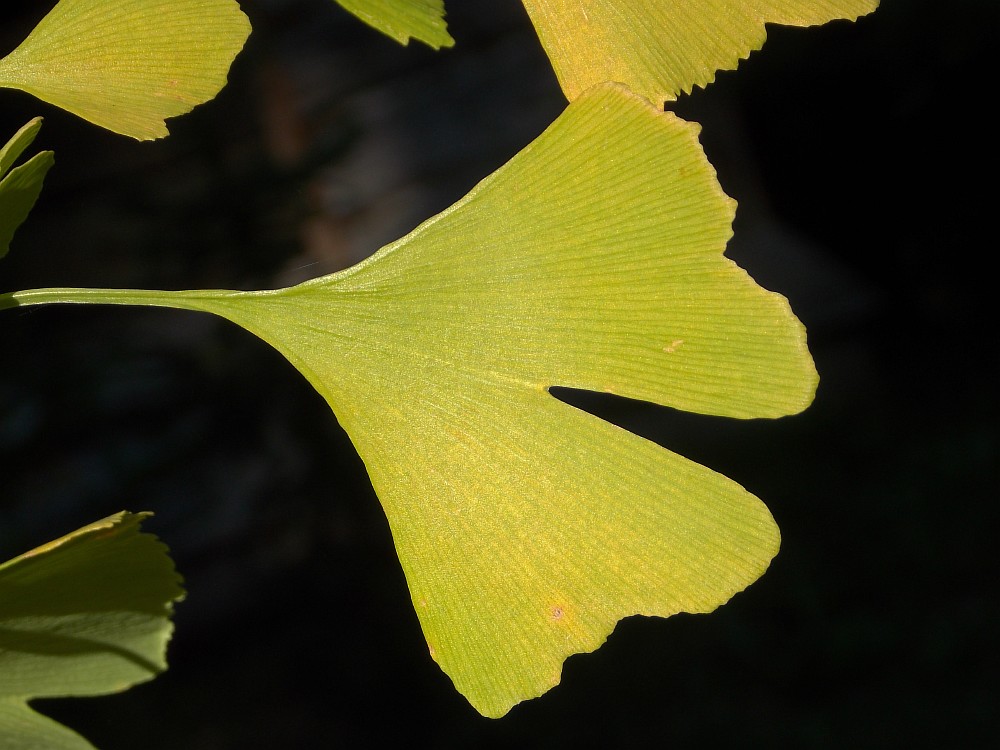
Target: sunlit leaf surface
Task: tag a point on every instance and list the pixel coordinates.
(129, 64)
(661, 48)
(21, 186)
(87, 614)
(404, 19)
(527, 528)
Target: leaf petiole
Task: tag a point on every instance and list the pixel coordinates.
(199, 300)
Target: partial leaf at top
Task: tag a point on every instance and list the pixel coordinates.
(21, 186)
(404, 19)
(526, 528)
(661, 48)
(87, 614)
(127, 65)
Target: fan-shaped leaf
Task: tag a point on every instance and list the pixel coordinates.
(660, 48)
(526, 528)
(129, 64)
(404, 19)
(87, 614)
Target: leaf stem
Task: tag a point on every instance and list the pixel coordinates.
(200, 299)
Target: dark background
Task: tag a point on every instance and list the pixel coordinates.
(863, 158)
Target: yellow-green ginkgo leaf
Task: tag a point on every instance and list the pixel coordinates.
(127, 65)
(404, 19)
(87, 614)
(21, 186)
(527, 528)
(661, 48)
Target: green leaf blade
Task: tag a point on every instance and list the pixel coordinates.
(21, 186)
(592, 260)
(662, 48)
(87, 614)
(530, 529)
(24, 729)
(403, 20)
(19, 192)
(12, 150)
(128, 65)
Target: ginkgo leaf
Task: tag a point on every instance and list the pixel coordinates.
(20, 187)
(87, 614)
(661, 48)
(404, 19)
(525, 527)
(127, 65)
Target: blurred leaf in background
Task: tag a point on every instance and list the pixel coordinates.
(87, 614)
(20, 186)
